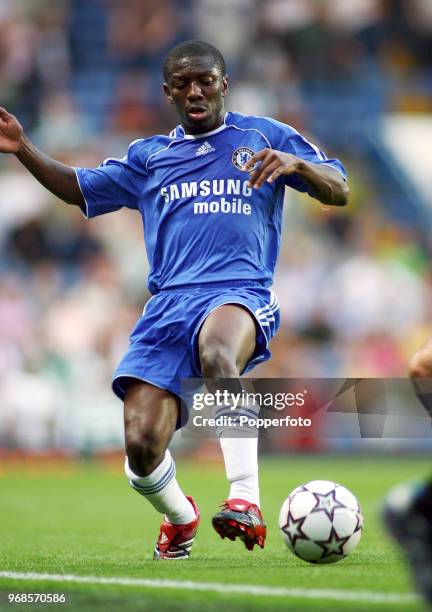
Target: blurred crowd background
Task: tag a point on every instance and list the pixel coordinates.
(84, 78)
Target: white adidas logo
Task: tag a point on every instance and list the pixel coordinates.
(205, 148)
(163, 538)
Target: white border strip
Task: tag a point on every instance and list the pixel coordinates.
(217, 587)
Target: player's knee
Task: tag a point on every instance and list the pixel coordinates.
(150, 417)
(420, 365)
(144, 451)
(217, 361)
(144, 447)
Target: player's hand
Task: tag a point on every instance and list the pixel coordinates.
(11, 132)
(271, 164)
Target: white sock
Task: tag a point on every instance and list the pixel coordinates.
(241, 456)
(163, 492)
(241, 467)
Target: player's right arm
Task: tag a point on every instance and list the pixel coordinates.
(58, 178)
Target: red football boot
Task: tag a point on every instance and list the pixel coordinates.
(242, 519)
(175, 541)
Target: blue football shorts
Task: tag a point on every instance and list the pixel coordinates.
(163, 346)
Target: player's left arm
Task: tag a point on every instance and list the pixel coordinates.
(323, 182)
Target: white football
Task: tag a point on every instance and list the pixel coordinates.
(321, 522)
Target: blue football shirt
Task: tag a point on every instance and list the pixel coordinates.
(202, 221)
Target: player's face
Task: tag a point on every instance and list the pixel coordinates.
(197, 88)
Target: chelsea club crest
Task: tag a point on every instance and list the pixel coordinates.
(241, 156)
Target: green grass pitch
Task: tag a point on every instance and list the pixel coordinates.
(85, 521)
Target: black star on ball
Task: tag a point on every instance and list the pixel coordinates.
(328, 503)
(293, 529)
(333, 545)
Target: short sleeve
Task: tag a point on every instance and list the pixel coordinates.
(115, 184)
(287, 139)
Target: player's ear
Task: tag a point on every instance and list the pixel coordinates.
(166, 90)
(225, 87)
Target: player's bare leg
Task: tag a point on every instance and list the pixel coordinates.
(150, 416)
(226, 343)
(408, 509)
(420, 371)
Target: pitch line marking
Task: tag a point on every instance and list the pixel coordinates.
(217, 587)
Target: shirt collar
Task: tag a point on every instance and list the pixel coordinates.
(180, 133)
